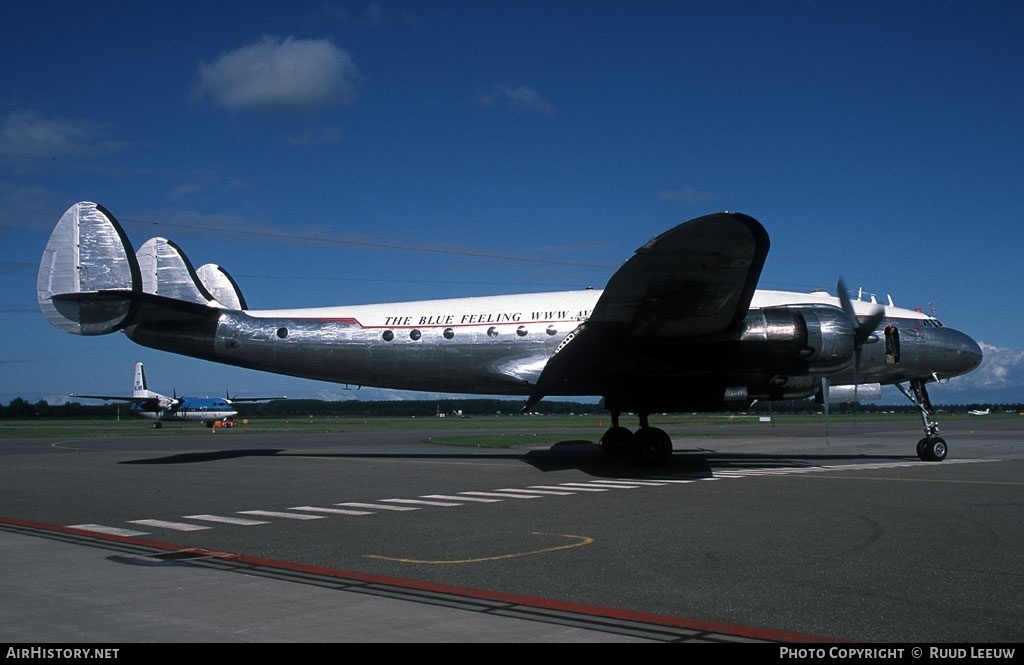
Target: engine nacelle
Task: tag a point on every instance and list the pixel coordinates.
(167, 403)
(816, 339)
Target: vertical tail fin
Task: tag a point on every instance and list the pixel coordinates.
(166, 272)
(139, 389)
(223, 287)
(88, 274)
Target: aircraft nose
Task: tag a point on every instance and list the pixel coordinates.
(964, 354)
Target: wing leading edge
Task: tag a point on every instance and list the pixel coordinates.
(691, 284)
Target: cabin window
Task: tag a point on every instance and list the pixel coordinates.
(521, 331)
(415, 334)
(448, 333)
(492, 332)
(282, 332)
(387, 335)
(552, 330)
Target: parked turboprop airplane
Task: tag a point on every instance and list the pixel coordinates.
(679, 327)
(149, 404)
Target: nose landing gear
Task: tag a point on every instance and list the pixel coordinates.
(932, 448)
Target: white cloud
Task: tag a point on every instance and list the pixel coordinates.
(28, 135)
(999, 379)
(522, 96)
(289, 75)
(1000, 368)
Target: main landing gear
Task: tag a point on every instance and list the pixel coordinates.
(648, 445)
(932, 448)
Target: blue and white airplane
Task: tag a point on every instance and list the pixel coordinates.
(149, 404)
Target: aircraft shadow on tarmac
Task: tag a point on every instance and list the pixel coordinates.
(591, 458)
(585, 456)
(208, 456)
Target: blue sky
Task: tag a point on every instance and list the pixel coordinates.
(331, 153)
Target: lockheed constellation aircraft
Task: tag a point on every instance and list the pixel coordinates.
(679, 327)
(148, 404)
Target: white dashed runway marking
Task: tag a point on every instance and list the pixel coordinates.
(356, 509)
(173, 526)
(287, 516)
(237, 521)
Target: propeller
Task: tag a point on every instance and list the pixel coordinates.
(862, 331)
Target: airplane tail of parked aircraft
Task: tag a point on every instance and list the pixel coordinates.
(679, 327)
(139, 388)
(91, 283)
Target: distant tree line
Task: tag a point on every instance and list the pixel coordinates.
(301, 408)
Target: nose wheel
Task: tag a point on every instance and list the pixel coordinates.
(932, 449)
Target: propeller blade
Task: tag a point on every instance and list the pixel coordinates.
(825, 401)
(844, 299)
(861, 329)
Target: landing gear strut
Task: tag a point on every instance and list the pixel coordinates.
(648, 445)
(932, 448)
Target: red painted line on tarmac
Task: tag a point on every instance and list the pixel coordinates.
(528, 601)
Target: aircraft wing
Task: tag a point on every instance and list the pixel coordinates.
(116, 398)
(688, 286)
(145, 403)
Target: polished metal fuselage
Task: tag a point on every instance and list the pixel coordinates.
(500, 344)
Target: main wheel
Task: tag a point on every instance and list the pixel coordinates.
(652, 446)
(617, 442)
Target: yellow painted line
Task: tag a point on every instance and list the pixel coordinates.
(64, 445)
(580, 541)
